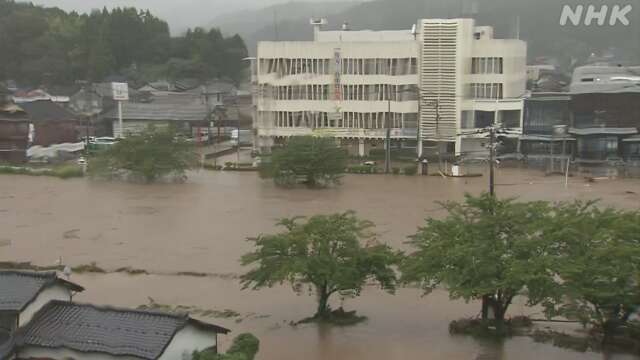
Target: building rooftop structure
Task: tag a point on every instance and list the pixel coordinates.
(605, 79)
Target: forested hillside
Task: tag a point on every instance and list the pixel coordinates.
(47, 45)
(539, 24)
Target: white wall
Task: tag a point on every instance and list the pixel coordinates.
(55, 292)
(187, 340)
(63, 354)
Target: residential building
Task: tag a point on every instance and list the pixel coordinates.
(63, 330)
(50, 123)
(23, 293)
(14, 133)
(429, 86)
(39, 321)
(605, 108)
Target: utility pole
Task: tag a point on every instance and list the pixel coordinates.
(387, 154)
(492, 160)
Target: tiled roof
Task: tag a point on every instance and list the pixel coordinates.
(19, 288)
(46, 110)
(160, 112)
(117, 332)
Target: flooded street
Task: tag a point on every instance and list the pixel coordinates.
(201, 226)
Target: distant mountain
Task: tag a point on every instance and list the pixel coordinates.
(288, 21)
(180, 14)
(538, 23)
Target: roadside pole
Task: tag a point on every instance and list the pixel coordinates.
(120, 123)
(492, 160)
(387, 154)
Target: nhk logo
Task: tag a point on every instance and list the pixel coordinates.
(589, 15)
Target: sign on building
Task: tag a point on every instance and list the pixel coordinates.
(338, 74)
(120, 91)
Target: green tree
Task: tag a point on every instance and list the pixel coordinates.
(151, 155)
(325, 252)
(485, 249)
(316, 161)
(598, 265)
(244, 347)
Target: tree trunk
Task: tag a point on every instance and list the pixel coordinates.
(323, 302)
(485, 307)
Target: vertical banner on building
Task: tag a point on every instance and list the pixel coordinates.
(338, 74)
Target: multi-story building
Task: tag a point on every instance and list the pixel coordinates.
(430, 85)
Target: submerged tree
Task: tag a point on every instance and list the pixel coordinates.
(315, 161)
(150, 155)
(325, 252)
(598, 266)
(485, 249)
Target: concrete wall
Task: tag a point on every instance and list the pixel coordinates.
(186, 341)
(55, 292)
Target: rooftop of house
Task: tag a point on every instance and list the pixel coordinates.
(46, 111)
(160, 112)
(94, 329)
(19, 288)
(605, 79)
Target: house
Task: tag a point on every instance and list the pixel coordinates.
(64, 330)
(39, 321)
(51, 123)
(23, 293)
(14, 133)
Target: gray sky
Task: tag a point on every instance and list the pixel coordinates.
(179, 13)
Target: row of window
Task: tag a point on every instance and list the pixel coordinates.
(487, 65)
(350, 120)
(486, 91)
(285, 67)
(378, 92)
(402, 66)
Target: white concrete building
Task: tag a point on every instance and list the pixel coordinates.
(346, 84)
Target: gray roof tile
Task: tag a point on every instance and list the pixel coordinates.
(118, 332)
(19, 288)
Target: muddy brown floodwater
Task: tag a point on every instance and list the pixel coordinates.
(201, 227)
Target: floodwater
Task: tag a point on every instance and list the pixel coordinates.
(201, 226)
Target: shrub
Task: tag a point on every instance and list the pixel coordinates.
(411, 170)
(395, 171)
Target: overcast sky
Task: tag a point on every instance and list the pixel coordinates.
(179, 13)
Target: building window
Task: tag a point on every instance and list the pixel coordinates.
(486, 91)
(487, 65)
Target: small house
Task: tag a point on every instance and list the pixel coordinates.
(51, 123)
(14, 133)
(23, 293)
(63, 330)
